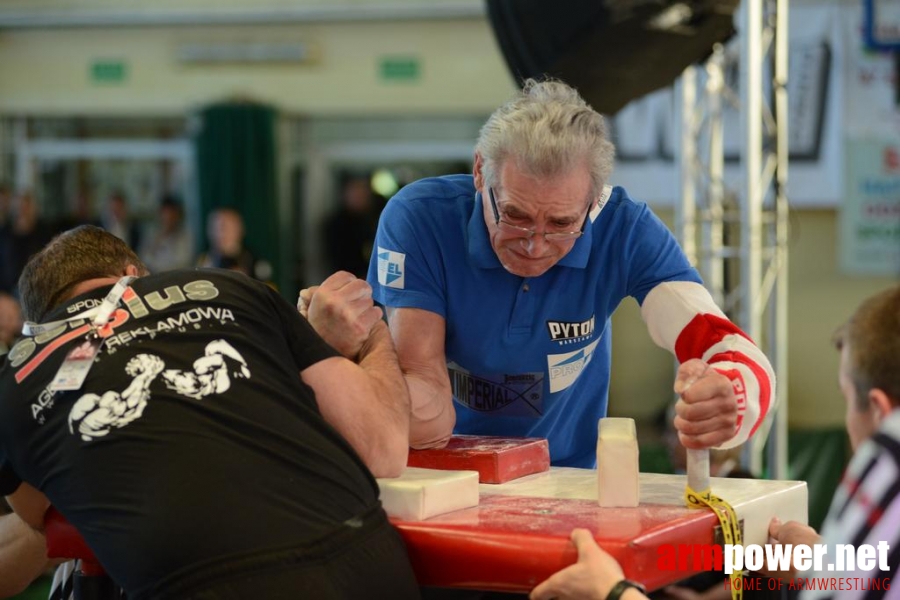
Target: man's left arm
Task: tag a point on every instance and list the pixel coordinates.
(723, 405)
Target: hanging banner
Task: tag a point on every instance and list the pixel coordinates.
(872, 106)
(870, 210)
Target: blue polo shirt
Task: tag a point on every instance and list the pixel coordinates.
(527, 356)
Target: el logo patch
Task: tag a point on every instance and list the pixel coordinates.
(391, 268)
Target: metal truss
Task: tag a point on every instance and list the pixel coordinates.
(736, 235)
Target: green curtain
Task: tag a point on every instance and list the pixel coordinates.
(237, 161)
(818, 457)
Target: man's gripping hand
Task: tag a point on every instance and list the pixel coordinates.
(342, 311)
(707, 409)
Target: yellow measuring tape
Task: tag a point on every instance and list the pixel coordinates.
(731, 530)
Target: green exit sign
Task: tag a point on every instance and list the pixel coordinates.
(108, 71)
(400, 68)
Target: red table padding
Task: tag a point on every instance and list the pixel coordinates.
(64, 541)
(496, 459)
(512, 543)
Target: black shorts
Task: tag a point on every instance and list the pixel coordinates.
(364, 559)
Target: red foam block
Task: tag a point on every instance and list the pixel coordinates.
(497, 459)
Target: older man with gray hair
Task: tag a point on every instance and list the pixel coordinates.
(500, 285)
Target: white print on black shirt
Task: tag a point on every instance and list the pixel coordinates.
(210, 374)
(95, 416)
(178, 322)
(137, 306)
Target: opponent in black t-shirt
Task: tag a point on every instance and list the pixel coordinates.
(195, 458)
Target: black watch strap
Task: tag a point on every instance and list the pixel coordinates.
(619, 589)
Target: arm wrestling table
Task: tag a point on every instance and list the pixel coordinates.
(518, 535)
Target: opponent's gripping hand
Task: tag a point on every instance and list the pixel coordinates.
(342, 311)
(707, 409)
(304, 298)
(793, 533)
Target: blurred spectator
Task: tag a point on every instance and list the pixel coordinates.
(350, 231)
(10, 322)
(81, 214)
(225, 232)
(115, 219)
(24, 235)
(169, 245)
(5, 203)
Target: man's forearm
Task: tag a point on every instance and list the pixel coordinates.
(682, 317)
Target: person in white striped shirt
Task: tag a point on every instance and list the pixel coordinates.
(866, 506)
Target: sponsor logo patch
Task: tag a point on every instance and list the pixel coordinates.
(570, 332)
(519, 394)
(391, 268)
(564, 369)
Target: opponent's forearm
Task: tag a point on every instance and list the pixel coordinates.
(419, 336)
(432, 415)
(387, 416)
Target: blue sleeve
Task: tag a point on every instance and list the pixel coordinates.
(406, 270)
(653, 255)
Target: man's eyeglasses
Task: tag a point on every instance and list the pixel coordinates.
(550, 236)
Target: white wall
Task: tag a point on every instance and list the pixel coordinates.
(48, 71)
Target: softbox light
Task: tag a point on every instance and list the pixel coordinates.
(613, 51)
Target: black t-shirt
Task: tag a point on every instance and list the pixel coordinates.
(193, 439)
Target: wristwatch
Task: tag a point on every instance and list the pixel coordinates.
(619, 589)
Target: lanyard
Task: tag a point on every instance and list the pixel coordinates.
(100, 314)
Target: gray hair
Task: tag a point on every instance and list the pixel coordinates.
(546, 128)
